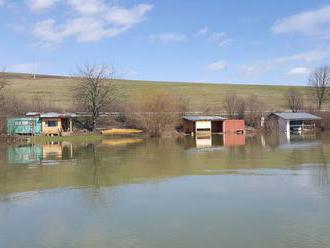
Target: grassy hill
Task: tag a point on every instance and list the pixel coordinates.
(201, 96)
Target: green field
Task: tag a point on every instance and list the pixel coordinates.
(200, 96)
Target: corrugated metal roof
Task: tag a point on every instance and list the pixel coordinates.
(32, 114)
(297, 116)
(203, 118)
(57, 115)
(51, 115)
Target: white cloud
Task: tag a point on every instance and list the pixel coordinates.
(128, 17)
(315, 22)
(216, 66)
(309, 56)
(95, 20)
(88, 7)
(254, 70)
(38, 5)
(27, 68)
(221, 39)
(167, 37)
(203, 30)
(299, 71)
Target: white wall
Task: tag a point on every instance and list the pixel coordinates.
(203, 125)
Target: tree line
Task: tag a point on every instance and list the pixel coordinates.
(318, 90)
(319, 86)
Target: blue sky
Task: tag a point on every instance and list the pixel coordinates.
(255, 41)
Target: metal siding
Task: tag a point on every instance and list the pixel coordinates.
(282, 125)
(33, 126)
(233, 126)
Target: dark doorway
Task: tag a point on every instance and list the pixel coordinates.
(66, 124)
(217, 126)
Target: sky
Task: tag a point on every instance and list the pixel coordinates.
(246, 42)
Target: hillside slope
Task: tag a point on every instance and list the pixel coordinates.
(201, 96)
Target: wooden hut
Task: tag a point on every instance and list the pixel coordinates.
(55, 123)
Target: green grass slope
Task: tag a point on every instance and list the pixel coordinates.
(201, 96)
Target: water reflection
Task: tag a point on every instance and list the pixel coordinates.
(153, 193)
(292, 142)
(215, 141)
(40, 153)
(113, 162)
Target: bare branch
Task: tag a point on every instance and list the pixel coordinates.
(96, 90)
(294, 100)
(234, 106)
(319, 81)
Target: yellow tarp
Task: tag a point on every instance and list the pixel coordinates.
(121, 131)
(118, 142)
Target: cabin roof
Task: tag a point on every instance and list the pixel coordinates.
(203, 118)
(51, 115)
(296, 116)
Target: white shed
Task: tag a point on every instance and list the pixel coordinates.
(286, 122)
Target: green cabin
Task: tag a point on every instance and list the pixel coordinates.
(24, 126)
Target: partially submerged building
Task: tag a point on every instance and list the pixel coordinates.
(35, 123)
(211, 124)
(286, 122)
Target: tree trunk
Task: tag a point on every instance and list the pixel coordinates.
(319, 105)
(94, 123)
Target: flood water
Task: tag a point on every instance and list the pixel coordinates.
(251, 192)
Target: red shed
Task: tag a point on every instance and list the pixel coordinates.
(234, 126)
(212, 124)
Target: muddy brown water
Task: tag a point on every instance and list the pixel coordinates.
(251, 192)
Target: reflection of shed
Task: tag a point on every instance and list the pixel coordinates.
(231, 140)
(29, 154)
(24, 154)
(52, 151)
(286, 122)
(211, 124)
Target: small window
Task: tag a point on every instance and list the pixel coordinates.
(52, 123)
(23, 123)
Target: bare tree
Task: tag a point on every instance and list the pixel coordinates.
(255, 108)
(234, 106)
(96, 90)
(319, 81)
(294, 100)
